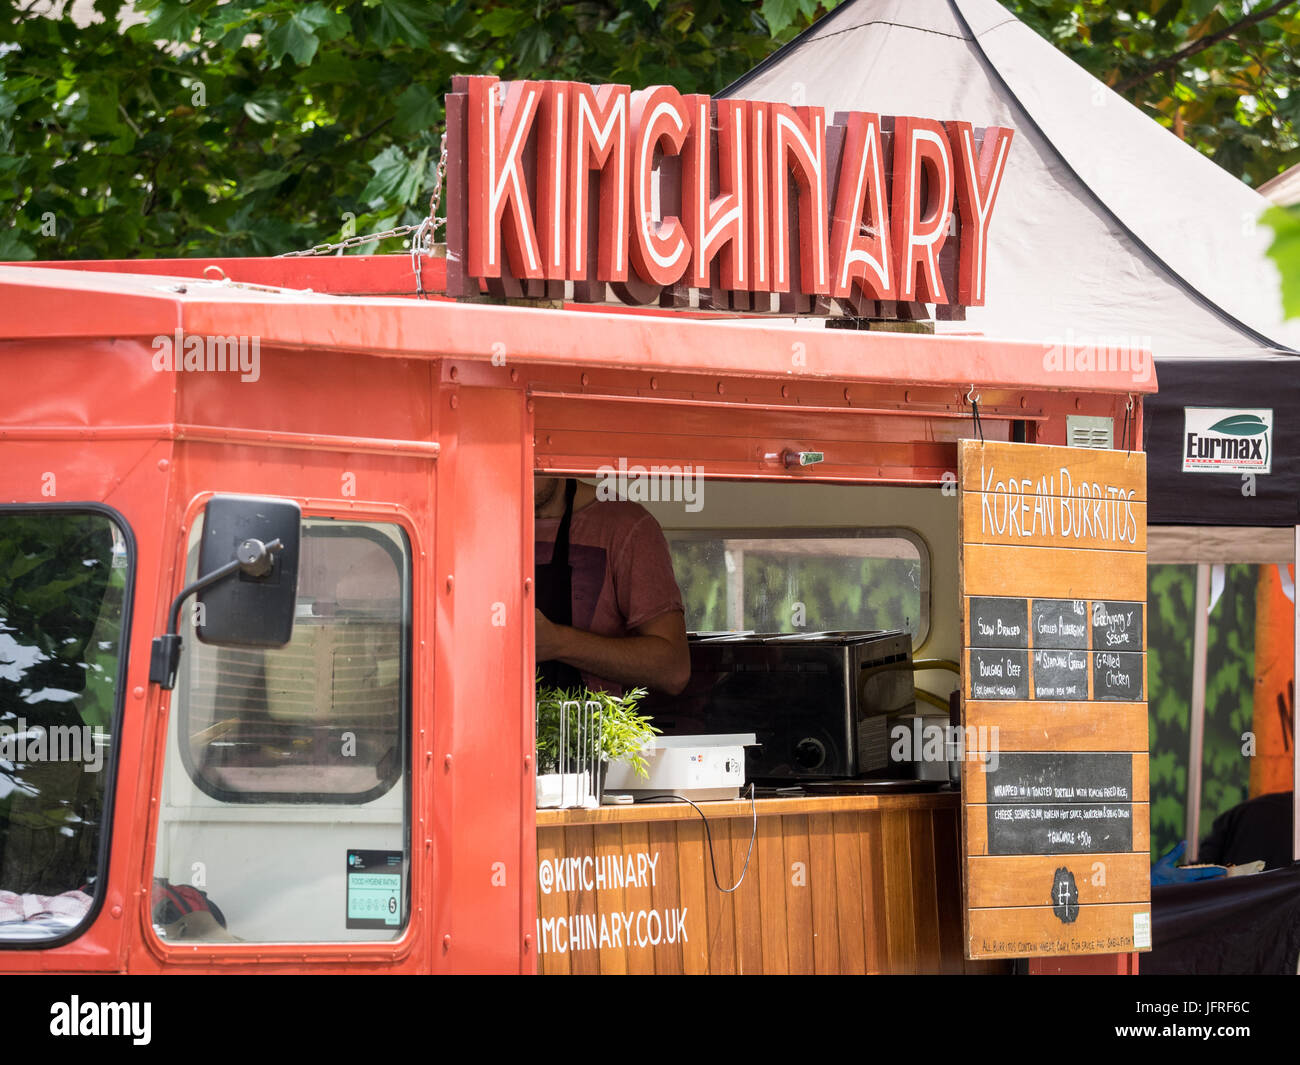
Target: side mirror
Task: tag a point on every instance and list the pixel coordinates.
(248, 583)
(255, 606)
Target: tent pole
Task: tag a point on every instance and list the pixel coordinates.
(1295, 652)
(1196, 724)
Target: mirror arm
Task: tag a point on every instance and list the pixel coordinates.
(165, 655)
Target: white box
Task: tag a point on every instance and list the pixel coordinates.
(686, 767)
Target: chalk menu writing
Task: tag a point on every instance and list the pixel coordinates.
(1117, 675)
(1060, 776)
(1061, 674)
(1063, 642)
(1067, 828)
(1060, 623)
(999, 674)
(1117, 626)
(998, 622)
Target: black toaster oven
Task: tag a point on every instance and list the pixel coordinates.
(819, 702)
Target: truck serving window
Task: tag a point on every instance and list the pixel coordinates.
(285, 813)
(64, 590)
(792, 580)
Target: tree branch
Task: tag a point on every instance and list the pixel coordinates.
(1198, 46)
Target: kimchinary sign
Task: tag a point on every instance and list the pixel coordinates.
(1227, 440)
(558, 190)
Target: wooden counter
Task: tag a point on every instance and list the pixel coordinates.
(835, 884)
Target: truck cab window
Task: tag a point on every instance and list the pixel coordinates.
(64, 580)
(285, 813)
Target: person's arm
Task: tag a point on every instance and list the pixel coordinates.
(657, 657)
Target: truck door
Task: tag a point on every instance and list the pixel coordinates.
(284, 823)
(67, 574)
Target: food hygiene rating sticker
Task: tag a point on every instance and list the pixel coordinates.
(374, 889)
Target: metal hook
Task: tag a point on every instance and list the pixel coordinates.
(971, 397)
(214, 266)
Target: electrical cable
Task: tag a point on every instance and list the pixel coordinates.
(708, 835)
(932, 699)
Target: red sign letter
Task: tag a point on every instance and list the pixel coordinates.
(496, 179)
(919, 234)
(660, 251)
(716, 225)
(799, 148)
(600, 142)
(552, 175)
(978, 179)
(760, 227)
(860, 203)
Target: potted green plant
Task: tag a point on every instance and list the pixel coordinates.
(596, 727)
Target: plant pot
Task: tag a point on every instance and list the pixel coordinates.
(568, 791)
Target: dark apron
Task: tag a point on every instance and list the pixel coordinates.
(554, 583)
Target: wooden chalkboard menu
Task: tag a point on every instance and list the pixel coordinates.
(1055, 806)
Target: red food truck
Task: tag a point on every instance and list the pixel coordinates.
(324, 759)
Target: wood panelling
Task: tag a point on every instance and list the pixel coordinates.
(985, 465)
(1018, 880)
(841, 884)
(1018, 933)
(1048, 726)
(1053, 572)
(1041, 529)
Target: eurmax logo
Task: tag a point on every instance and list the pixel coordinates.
(1227, 440)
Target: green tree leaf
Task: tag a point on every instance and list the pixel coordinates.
(779, 14)
(418, 108)
(293, 37)
(13, 248)
(1285, 251)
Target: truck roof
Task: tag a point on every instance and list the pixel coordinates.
(364, 304)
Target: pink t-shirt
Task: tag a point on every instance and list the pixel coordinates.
(622, 571)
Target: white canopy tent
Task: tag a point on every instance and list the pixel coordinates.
(1107, 225)
(1106, 222)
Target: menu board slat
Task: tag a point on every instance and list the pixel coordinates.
(1039, 932)
(1036, 469)
(1028, 880)
(1036, 726)
(1049, 524)
(1058, 572)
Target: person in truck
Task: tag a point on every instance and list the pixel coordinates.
(609, 612)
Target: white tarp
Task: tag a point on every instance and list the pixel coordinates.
(1061, 263)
